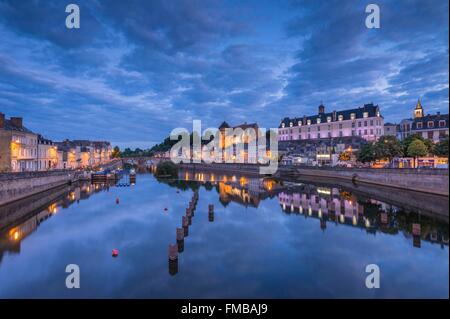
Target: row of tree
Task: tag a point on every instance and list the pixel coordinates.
(388, 147)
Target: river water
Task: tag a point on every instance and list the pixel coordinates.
(264, 239)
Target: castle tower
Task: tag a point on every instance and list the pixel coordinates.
(418, 111)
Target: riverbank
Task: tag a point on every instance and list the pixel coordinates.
(430, 181)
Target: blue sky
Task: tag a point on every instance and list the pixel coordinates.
(137, 69)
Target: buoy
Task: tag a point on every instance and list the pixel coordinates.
(165, 209)
(115, 252)
(117, 200)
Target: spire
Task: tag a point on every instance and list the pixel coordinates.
(418, 111)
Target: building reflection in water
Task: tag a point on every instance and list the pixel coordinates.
(19, 219)
(327, 204)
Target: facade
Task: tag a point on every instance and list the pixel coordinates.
(228, 142)
(47, 154)
(365, 122)
(81, 154)
(434, 127)
(390, 129)
(18, 146)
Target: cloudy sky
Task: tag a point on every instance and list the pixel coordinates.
(137, 69)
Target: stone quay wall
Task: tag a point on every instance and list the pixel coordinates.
(15, 186)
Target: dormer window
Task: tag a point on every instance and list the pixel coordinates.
(430, 124)
(309, 122)
(340, 117)
(291, 124)
(441, 123)
(366, 114)
(328, 119)
(378, 113)
(419, 125)
(352, 116)
(282, 125)
(318, 120)
(299, 123)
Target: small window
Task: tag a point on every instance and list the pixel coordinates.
(340, 117)
(299, 123)
(328, 119)
(430, 124)
(352, 116)
(419, 125)
(442, 123)
(318, 120)
(282, 124)
(366, 114)
(309, 122)
(291, 124)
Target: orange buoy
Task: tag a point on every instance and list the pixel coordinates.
(115, 252)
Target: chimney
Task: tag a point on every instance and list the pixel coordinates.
(334, 116)
(321, 109)
(16, 121)
(2, 120)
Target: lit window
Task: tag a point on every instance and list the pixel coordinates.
(430, 124)
(309, 122)
(352, 116)
(419, 125)
(290, 124)
(318, 120)
(328, 119)
(340, 117)
(366, 114)
(299, 123)
(282, 124)
(442, 123)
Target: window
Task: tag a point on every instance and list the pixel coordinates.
(340, 133)
(371, 131)
(318, 120)
(340, 126)
(329, 134)
(430, 124)
(365, 132)
(299, 123)
(318, 128)
(309, 122)
(318, 135)
(328, 119)
(291, 124)
(366, 114)
(352, 116)
(359, 132)
(371, 122)
(353, 132)
(282, 124)
(419, 125)
(340, 117)
(442, 123)
(430, 135)
(365, 123)
(353, 124)
(359, 124)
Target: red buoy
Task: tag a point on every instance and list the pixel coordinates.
(115, 252)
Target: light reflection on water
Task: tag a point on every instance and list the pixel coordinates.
(263, 238)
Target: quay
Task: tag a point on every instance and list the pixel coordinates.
(18, 185)
(423, 180)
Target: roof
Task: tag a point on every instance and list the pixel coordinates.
(370, 108)
(433, 118)
(224, 125)
(9, 126)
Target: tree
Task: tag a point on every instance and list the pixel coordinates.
(116, 152)
(344, 156)
(388, 147)
(417, 148)
(407, 141)
(441, 148)
(367, 153)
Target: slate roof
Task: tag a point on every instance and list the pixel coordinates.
(9, 126)
(370, 108)
(435, 118)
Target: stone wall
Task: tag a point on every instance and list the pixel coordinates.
(434, 181)
(14, 186)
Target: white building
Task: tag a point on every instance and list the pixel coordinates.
(365, 121)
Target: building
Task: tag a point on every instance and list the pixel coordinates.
(18, 146)
(47, 154)
(433, 127)
(390, 129)
(365, 121)
(81, 154)
(229, 142)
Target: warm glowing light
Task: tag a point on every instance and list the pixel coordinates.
(16, 235)
(341, 218)
(367, 223)
(354, 220)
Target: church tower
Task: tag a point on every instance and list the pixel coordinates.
(418, 111)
